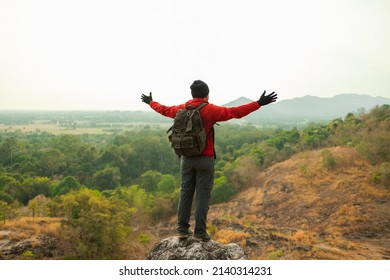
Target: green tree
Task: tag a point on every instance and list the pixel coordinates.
(222, 190)
(38, 206)
(6, 197)
(66, 185)
(9, 187)
(167, 184)
(110, 156)
(71, 147)
(100, 223)
(51, 161)
(149, 180)
(31, 187)
(314, 136)
(9, 150)
(4, 209)
(107, 179)
(88, 157)
(138, 200)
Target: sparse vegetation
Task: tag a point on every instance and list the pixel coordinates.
(275, 255)
(143, 238)
(28, 225)
(227, 236)
(28, 255)
(328, 160)
(340, 214)
(382, 175)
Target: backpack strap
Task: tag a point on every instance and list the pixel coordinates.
(196, 109)
(212, 129)
(201, 106)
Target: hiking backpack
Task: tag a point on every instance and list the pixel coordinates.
(188, 136)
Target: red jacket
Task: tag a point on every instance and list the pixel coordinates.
(210, 115)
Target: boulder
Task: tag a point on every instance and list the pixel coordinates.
(173, 248)
(41, 246)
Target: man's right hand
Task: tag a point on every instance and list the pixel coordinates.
(267, 99)
(146, 99)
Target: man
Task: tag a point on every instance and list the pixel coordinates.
(197, 173)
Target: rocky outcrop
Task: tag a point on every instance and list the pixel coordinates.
(173, 248)
(42, 246)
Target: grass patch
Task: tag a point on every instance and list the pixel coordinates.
(226, 236)
(43, 225)
(276, 255)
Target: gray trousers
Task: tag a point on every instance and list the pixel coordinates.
(197, 177)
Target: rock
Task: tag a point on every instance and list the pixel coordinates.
(47, 246)
(41, 246)
(172, 248)
(15, 247)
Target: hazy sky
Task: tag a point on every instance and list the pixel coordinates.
(91, 54)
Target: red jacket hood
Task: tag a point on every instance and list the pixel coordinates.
(195, 102)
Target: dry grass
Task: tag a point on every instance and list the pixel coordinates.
(301, 237)
(309, 211)
(26, 226)
(133, 249)
(226, 236)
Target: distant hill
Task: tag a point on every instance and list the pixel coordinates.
(311, 108)
(286, 113)
(239, 101)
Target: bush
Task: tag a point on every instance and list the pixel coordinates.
(382, 176)
(143, 238)
(222, 190)
(275, 255)
(328, 160)
(28, 254)
(99, 225)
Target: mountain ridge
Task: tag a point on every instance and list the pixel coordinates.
(311, 108)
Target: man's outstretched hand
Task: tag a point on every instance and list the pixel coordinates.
(146, 99)
(267, 99)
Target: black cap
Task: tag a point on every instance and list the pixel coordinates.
(199, 89)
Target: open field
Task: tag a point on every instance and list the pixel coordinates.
(77, 129)
(79, 122)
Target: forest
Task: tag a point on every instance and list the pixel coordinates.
(104, 186)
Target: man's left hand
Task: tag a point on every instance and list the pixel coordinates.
(146, 99)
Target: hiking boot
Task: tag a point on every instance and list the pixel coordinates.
(185, 234)
(202, 237)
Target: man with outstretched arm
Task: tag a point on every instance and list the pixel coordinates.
(197, 173)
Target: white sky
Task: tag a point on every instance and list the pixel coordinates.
(90, 54)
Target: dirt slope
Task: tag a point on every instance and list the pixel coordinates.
(305, 208)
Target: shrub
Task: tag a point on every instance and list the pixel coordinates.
(143, 238)
(382, 176)
(328, 160)
(28, 254)
(275, 255)
(222, 190)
